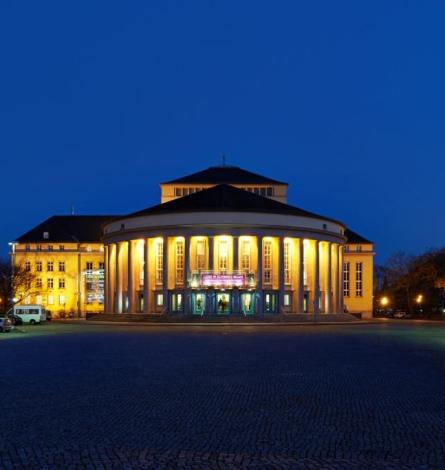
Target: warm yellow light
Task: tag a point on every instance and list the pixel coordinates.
(179, 239)
(223, 237)
(384, 301)
(305, 242)
(419, 299)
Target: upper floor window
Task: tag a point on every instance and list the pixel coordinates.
(359, 279)
(39, 283)
(61, 247)
(61, 266)
(159, 262)
(39, 266)
(179, 262)
(27, 266)
(267, 262)
(27, 247)
(50, 248)
(178, 192)
(359, 248)
(346, 279)
(45, 235)
(89, 266)
(39, 247)
(101, 265)
(61, 283)
(263, 192)
(269, 191)
(287, 262)
(245, 255)
(200, 254)
(50, 283)
(50, 266)
(223, 254)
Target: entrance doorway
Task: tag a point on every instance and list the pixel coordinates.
(198, 303)
(247, 303)
(223, 304)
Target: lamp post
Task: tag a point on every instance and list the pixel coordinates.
(419, 301)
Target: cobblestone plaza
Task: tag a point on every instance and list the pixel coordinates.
(368, 396)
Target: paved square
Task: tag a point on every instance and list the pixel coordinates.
(369, 396)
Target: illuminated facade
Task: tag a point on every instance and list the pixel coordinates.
(222, 242)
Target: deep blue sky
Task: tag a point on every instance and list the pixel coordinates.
(100, 101)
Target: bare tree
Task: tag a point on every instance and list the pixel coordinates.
(16, 282)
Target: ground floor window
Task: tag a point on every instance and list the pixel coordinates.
(270, 303)
(198, 303)
(176, 301)
(159, 300)
(287, 301)
(247, 303)
(223, 303)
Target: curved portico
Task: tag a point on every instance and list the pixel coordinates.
(224, 251)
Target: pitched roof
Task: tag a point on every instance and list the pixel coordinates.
(68, 228)
(226, 198)
(354, 237)
(224, 175)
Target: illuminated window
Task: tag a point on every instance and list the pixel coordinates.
(159, 262)
(267, 262)
(287, 262)
(179, 261)
(61, 300)
(359, 279)
(245, 255)
(45, 235)
(61, 283)
(223, 255)
(50, 266)
(50, 300)
(38, 299)
(287, 300)
(200, 254)
(346, 279)
(27, 266)
(61, 266)
(159, 300)
(39, 266)
(50, 283)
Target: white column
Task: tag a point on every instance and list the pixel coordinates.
(281, 276)
(340, 308)
(235, 262)
(317, 277)
(146, 277)
(165, 274)
(259, 283)
(301, 278)
(186, 274)
(118, 297)
(130, 278)
(328, 308)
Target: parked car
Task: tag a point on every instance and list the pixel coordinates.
(400, 314)
(5, 324)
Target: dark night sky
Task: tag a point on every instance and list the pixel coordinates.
(100, 101)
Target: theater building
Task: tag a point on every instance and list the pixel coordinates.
(223, 241)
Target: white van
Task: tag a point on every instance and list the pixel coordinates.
(30, 313)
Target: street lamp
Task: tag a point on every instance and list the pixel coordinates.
(384, 302)
(419, 299)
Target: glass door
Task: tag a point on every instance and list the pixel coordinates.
(198, 303)
(223, 304)
(247, 303)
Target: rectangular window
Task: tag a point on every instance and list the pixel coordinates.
(27, 248)
(50, 266)
(287, 262)
(178, 192)
(245, 255)
(38, 299)
(61, 247)
(270, 191)
(50, 248)
(39, 266)
(267, 262)
(358, 279)
(101, 265)
(39, 283)
(179, 262)
(27, 266)
(263, 192)
(89, 265)
(50, 300)
(159, 262)
(287, 300)
(346, 279)
(50, 283)
(62, 266)
(159, 300)
(223, 255)
(61, 299)
(200, 254)
(61, 283)
(39, 247)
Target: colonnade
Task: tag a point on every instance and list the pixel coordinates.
(306, 274)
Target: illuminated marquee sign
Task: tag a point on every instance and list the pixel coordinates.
(223, 280)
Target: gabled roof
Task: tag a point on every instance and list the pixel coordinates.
(68, 228)
(354, 237)
(224, 175)
(226, 198)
